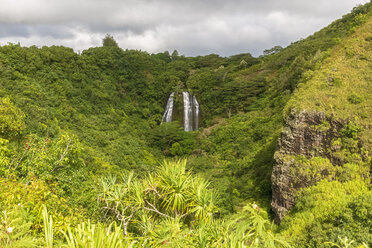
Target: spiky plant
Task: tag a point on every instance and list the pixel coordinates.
(170, 193)
(202, 204)
(48, 228)
(89, 235)
(253, 229)
(345, 243)
(169, 233)
(174, 184)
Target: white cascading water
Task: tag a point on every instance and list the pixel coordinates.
(196, 113)
(190, 111)
(187, 111)
(167, 116)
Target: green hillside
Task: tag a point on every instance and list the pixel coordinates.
(341, 88)
(85, 160)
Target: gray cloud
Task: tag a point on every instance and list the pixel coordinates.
(26, 30)
(193, 27)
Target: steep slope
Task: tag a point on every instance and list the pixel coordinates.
(237, 153)
(328, 116)
(67, 119)
(321, 178)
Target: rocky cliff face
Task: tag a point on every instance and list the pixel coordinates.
(306, 135)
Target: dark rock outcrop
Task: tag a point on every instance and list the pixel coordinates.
(307, 134)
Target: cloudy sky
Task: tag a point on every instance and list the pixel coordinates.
(193, 27)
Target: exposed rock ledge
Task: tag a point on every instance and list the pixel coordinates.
(307, 133)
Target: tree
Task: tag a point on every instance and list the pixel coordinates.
(174, 55)
(109, 41)
(272, 50)
(11, 119)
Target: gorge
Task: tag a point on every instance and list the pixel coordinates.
(161, 150)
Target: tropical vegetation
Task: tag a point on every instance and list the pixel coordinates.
(85, 160)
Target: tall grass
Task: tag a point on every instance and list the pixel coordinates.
(48, 228)
(88, 235)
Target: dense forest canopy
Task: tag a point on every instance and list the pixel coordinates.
(85, 160)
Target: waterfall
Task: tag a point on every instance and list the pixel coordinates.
(196, 113)
(167, 116)
(190, 110)
(187, 111)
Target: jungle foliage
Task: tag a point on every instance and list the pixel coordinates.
(85, 160)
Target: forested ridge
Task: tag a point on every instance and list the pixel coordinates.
(85, 160)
